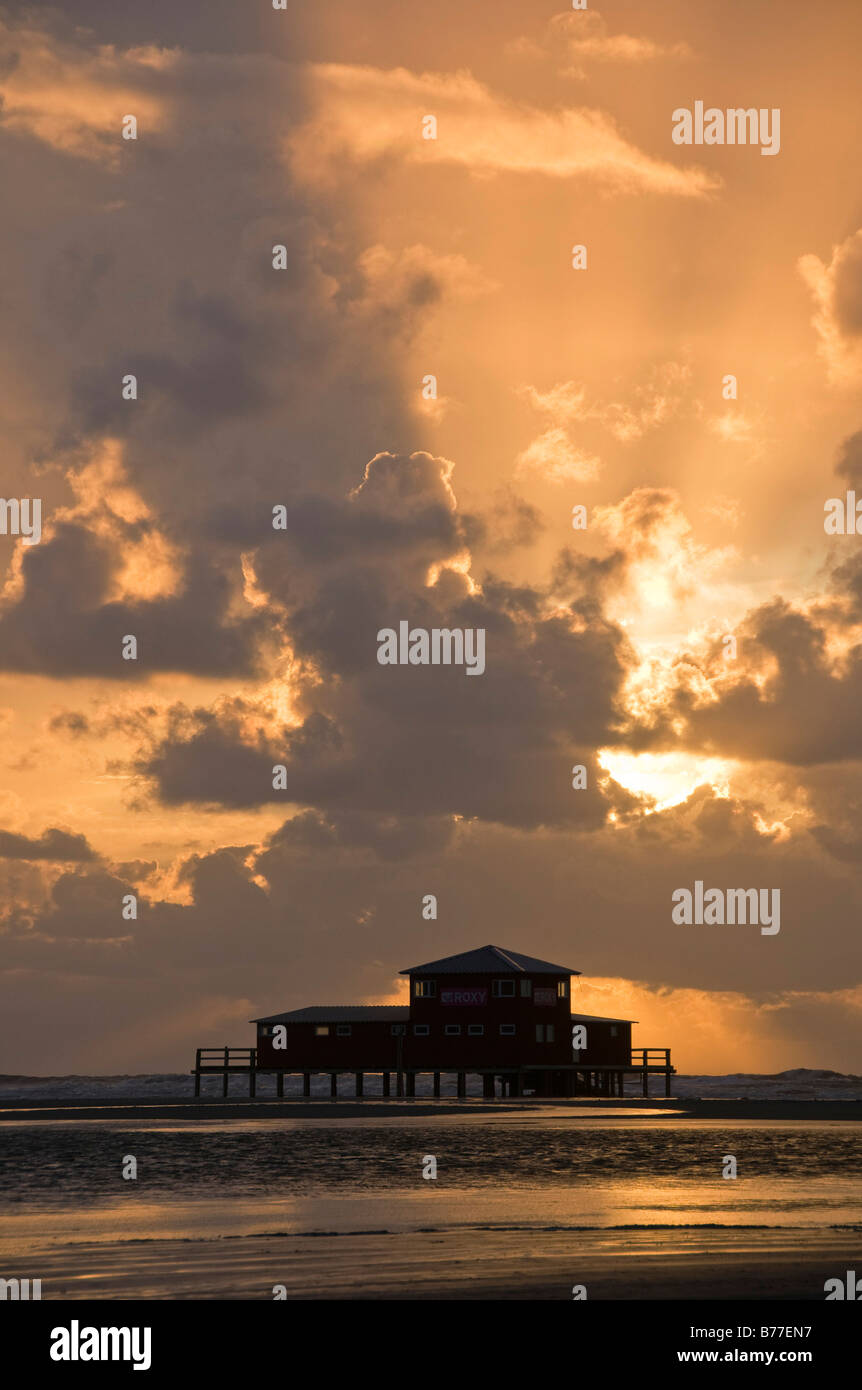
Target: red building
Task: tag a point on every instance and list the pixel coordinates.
(498, 1013)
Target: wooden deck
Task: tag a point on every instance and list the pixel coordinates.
(581, 1078)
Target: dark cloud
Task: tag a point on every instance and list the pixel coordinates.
(51, 844)
(70, 722)
(411, 740)
(847, 288)
(849, 462)
(783, 700)
(65, 623)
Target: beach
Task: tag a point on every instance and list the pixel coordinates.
(322, 1199)
(468, 1264)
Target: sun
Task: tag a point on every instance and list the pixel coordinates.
(666, 778)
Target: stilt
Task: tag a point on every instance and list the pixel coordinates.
(252, 1078)
(646, 1081)
(515, 1084)
(225, 1077)
(667, 1083)
(437, 1085)
(411, 1083)
(198, 1072)
(462, 1085)
(399, 1083)
(360, 1078)
(279, 1083)
(488, 1086)
(386, 1086)
(333, 1084)
(306, 1083)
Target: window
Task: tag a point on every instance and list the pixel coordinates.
(504, 989)
(343, 1030)
(540, 1032)
(421, 1030)
(322, 1030)
(507, 1030)
(562, 989)
(452, 1030)
(526, 989)
(425, 989)
(397, 1029)
(549, 1032)
(614, 1030)
(475, 1030)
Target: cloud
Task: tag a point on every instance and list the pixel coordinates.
(366, 115)
(398, 548)
(576, 40)
(555, 457)
(52, 844)
(792, 694)
(836, 288)
(74, 97)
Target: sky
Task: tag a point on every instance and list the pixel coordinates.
(696, 646)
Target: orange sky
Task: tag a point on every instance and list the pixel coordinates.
(409, 257)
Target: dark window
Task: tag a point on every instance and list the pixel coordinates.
(452, 1030)
(507, 1029)
(540, 1032)
(614, 1030)
(549, 1032)
(397, 1029)
(475, 1030)
(425, 989)
(504, 989)
(526, 989)
(421, 1030)
(343, 1030)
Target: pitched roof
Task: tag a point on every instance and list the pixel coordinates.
(489, 960)
(603, 1018)
(341, 1013)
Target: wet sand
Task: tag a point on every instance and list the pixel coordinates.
(380, 1259)
(631, 1107)
(467, 1264)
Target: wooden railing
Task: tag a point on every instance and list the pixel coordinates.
(650, 1057)
(225, 1058)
